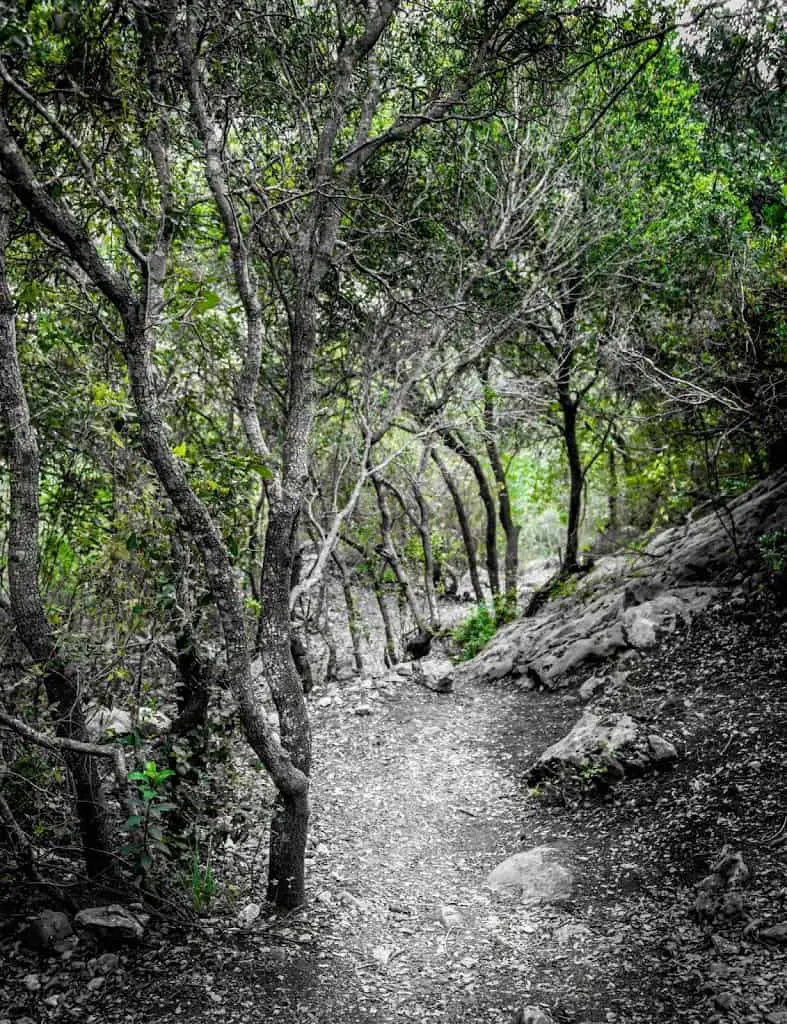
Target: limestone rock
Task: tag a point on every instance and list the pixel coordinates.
(103, 721)
(113, 924)
(590, 688)
(46, 930)
(611, 745)
(661, 751)
(536, 875)
(532, 1015)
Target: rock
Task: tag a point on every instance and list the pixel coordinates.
(152, 722)
(45, 931)
(450, 917)
(590, 688)
(103, 721)
(532, 1015)
(640, 631)
(569, 933)
(776, 933)
(610, 746)
(96, 983)
(362, 710)
(535, 875)
(104, 964)
(661, 751)
(405, 669)
(437, 678)
(591, 737)
(324, 702)
(32, 982)
(112, 924)
(249, 914)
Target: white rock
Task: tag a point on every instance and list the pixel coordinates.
(249, 914)
(535, 875)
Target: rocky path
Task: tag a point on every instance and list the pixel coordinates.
(416, 797)
(414, 806)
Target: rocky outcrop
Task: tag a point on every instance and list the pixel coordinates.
(570, 633)
(629, 601)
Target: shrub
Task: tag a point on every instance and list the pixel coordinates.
(475, 632)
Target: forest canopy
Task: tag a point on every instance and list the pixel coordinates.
(301, 301)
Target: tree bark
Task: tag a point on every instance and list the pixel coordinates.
(510, 529)
(471, 548)
(454, 441)
(61, 680)
(352, 612)
(390, 554)
(568, 408)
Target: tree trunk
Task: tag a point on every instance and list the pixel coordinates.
(390, 554)
(510, 529)
(352, 612)
(60, 680)
(471, 548)
(613, 497)
(389, 650)
(425, 532)
(291, 812)
(568, 407)
(456, 444)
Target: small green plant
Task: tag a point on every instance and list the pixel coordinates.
(200, 882)
(773, 551)
(475, 632)
(146, 826)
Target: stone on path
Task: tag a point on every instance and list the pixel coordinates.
(112, 924)
(536, 875)
(46, 930)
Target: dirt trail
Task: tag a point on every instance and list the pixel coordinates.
(417, 796)
(414, 805)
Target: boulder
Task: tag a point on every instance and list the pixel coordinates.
(113, 924)
(613, 745)
(535, 876)
(43, 932)
(103, 722)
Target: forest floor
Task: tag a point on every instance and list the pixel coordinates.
(417, 796)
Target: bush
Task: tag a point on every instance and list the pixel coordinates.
(475, 632)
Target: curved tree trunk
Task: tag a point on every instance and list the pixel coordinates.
(510, 529)
(60, 679)
(471, 548)
(391, 556)
(425, 533)
(456, 444)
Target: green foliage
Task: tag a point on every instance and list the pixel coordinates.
(147, 825)
(475, 632)
(200, 883)
(773, 551)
